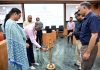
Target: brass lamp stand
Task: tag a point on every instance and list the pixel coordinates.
(50, 66)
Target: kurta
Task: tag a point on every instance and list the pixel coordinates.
(16, 45)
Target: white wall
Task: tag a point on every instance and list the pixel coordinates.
(5, 8)
(70, 10)
(50, 14)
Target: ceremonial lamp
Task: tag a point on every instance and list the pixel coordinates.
(50, 66)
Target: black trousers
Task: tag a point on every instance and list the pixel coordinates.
(87, 64)
(39, 37)
(70, 36)
(30, 53)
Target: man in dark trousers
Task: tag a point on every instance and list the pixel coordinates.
(70, 28)
(88, 35)
(31, 31)
(39, 32)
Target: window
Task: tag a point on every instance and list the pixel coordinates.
(70, 10)
(50, 14)
(5, 8)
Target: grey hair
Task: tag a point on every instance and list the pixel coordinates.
(87, 4)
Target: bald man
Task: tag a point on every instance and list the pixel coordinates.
(28, 21)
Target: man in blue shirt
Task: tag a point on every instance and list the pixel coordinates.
(88, 35)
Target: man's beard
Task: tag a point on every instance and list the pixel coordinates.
(30, 21)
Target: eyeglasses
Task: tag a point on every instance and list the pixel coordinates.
(78, 10)
(78, 14)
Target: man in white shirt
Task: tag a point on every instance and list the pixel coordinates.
(70, 28)
(28, 21)
(31, 31)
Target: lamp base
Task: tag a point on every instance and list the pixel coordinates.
(50, 67)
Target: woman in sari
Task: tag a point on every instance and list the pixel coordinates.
(16, 41)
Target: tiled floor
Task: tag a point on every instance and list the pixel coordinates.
(63, 57)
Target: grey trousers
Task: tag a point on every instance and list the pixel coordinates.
(87, 64)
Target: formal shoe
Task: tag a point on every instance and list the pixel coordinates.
(79, 68)
(76, 65)
(32, 68)
(37, 64)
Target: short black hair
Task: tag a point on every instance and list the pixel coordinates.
(87, 4)
(77, 13)
(13, 10)
(71, 17)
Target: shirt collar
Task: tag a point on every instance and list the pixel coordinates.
(87, 15)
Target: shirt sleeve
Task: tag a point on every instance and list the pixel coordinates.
(77, 30)
(73, 25)
(94, 24)
(68, 25)
(41, 25)
(32, 38)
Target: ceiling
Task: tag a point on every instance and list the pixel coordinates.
(46, 1)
